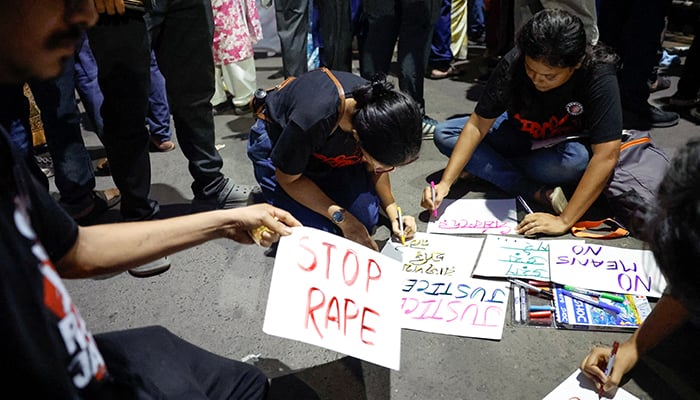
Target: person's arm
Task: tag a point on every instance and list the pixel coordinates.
(472, 134)
(589, 188)
(308, 194)
(668, 315)
(382, 184)
(103, 249)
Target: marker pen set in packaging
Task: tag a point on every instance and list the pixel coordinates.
(532, 303)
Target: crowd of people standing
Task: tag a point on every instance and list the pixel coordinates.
(323, 146)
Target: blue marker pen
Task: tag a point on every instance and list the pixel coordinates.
(541, 308)
(592, 302)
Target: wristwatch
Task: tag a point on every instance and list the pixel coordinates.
(338, 216)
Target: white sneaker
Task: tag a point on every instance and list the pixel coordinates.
(152, 268)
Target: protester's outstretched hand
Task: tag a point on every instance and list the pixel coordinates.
(110, 7)
(597, 360)
(261, 223)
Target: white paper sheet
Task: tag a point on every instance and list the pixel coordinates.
(579, 386)
(606, 268)
(337, 294)
(462, 216)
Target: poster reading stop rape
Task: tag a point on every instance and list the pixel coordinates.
(334, 293)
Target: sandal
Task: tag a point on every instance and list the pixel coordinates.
(102, 167)
(230, 196)
(102, 200)
(552, 198)
(164, 146)
(442, 73)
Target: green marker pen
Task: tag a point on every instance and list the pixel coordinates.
(613, 297)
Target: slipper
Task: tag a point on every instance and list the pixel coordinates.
(230, 196)
(102, 167)
(164, 146)
(442, 73)
(102, 200)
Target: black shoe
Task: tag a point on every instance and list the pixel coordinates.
(242, 110)
(663, 119)
(650, 117)
(223, 108)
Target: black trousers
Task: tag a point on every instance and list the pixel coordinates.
(409, 21)
(292, 17)
(633, 29)
(152, 362)
(180, 32)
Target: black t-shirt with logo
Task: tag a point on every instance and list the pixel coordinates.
(303, 116)
(588, 103)
(47, 350)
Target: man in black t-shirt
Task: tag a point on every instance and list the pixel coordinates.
(47, 348)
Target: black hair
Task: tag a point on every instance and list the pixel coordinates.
(555, 37)
(388, 122)
(558, 39)
(674, 227)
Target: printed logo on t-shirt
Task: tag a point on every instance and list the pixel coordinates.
(547, 129)
(574, 108)
(340, 161)
(86, 362)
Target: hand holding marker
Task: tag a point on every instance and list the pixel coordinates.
(403, 234)
(432, 193)
(608, 368)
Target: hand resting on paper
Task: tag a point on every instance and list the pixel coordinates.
(542, 224)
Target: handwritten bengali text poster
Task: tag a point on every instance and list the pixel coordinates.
(463, 216)
(514, 257)
(436, 255)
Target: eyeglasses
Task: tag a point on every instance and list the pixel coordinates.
(376, 166)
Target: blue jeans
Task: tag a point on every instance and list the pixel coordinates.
(74, 175)
(349, 187)
(158, 117)
(440, 50)
(504, 158)
(476, 22)
(180, 32)
(87, 86)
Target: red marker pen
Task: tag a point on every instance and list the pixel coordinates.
(540, 314)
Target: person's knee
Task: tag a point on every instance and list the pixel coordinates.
(573, 165)
(444, 139)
